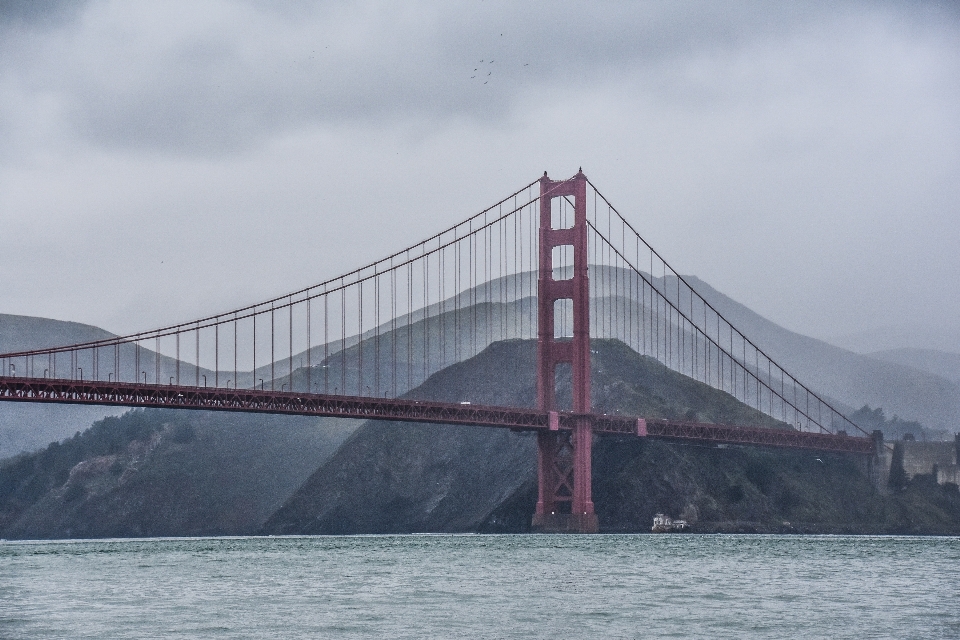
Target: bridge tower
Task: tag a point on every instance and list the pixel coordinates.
(564, 500)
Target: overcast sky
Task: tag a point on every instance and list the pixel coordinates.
(163, 160)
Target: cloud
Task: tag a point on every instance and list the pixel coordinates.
(39, 13)
(800, 156)
(216, 76)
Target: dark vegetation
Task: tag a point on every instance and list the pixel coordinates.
(898, 475)
(413, 477)
(159, 472)
(26, 478)
(746, 490)
(893, 428)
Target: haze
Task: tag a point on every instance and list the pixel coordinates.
(162, 161)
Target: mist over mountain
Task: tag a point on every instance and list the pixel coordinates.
(935, 337)
(23, 333)
(849, 378)
(912, 385)
(501, 310)
(941, 363)
(29, 426)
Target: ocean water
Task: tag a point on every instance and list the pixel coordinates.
(467, 586)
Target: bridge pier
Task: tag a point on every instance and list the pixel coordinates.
(564, 500)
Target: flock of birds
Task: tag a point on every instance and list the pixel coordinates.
(478, 72)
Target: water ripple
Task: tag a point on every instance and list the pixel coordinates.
(429, 586)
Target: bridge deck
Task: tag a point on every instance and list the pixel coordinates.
(405, 410)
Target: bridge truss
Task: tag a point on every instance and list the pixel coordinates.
(127, 394)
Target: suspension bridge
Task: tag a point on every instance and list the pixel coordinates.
(555, 262)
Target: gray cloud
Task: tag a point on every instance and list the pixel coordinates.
(39, 13)
(803, 157)
(187, 79)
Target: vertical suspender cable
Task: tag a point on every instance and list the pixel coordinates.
(309, 343)
(290, 341)
(441, 285)
(326, 342)
(473, 291)
(409, 323)
(273, 357)
(359, 338)
(393, 324)
(425, 344)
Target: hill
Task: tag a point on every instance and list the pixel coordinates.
(901, 386)
(940, 363)
(850, 378)
(938, 333)
(27, 427)
(163, 473)
(22, 333)
(174, 473)
(396, 477)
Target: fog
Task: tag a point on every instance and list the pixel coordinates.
(161, 161)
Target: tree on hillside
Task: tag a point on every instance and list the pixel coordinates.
(895, 428)
(898, 475)
(869, 419)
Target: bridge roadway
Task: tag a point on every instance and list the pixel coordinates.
(406, 410)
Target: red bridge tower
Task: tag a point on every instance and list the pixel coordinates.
(564, 502)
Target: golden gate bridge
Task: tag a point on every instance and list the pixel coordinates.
(555, 261)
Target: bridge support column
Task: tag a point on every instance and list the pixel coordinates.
(564, 500)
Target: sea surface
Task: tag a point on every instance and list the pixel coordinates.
(489, 586)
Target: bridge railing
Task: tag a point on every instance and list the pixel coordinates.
(411, 410)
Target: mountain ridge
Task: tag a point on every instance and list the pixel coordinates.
(851, 380)
(945, 364)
